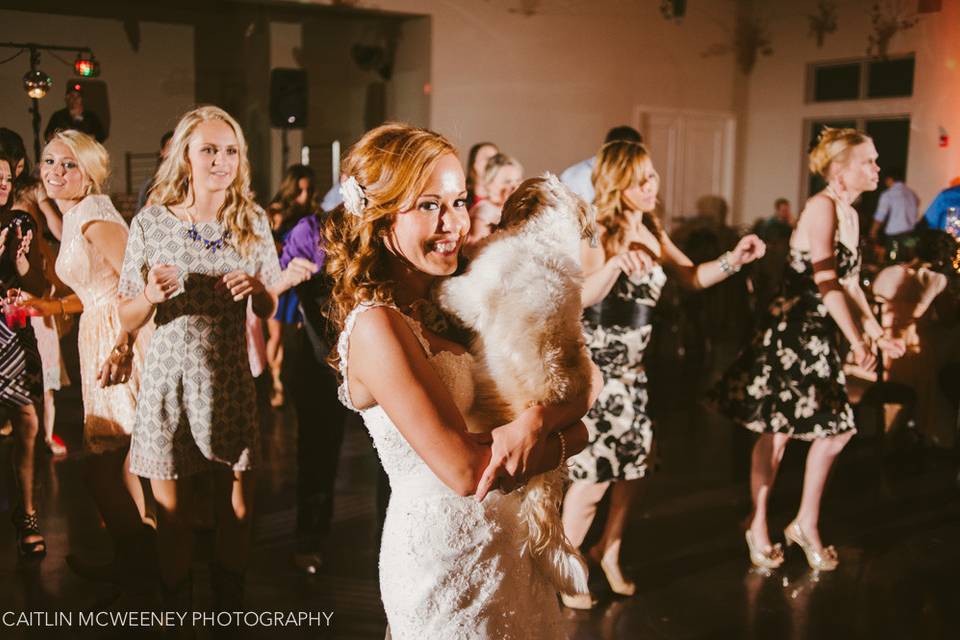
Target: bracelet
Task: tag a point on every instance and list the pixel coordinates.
(63, 309)
(122, 351)
(725, 264)
(563, 450)
(149, 301)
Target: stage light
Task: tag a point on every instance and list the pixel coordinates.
(86, 65)
(36, 84)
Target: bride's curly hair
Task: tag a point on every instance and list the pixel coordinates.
(392, 165)
(619, 164)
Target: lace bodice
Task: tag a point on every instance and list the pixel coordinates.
(451, 568)
(400, 461)
(80, 263)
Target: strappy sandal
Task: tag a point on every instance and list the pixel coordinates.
(28, 524)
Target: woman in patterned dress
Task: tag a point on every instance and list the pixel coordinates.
(789, 383)
(21, 377)
(74, 168)
(30, 196)
(197, 255)
(623, 280)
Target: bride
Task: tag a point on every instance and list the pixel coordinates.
(450, 561)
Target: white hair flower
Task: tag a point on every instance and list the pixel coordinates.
(353, 199)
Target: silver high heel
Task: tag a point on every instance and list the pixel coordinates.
(822, 559)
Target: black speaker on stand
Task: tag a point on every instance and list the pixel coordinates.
(288, 103)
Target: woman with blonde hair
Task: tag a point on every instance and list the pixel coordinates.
(624, 276)
(74, 168)
(501, 176)
(198, 254)
(451, 565)
(788, 384)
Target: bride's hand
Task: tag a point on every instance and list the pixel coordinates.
(516, 447)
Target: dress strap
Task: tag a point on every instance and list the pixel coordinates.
(343, 345)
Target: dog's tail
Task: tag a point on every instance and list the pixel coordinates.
(553, 555)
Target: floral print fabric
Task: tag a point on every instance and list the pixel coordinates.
(790, 378)
(621, 432)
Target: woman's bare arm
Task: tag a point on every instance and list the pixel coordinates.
(388, 366)
(820, 224)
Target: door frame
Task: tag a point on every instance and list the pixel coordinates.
(728, 166)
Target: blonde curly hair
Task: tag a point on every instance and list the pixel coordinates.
(833, 148)
(392, 165)
(619, 164)
(172, 187)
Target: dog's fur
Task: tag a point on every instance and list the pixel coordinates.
(520, 296)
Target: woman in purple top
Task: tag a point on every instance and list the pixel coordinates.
(320, 416)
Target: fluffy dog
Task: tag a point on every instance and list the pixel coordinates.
(520, 296)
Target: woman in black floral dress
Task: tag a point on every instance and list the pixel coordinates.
(624, 277)
(789, 382)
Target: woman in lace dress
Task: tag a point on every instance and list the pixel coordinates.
(74, 168)
(623, 280)
(789, 382)
(450, 563)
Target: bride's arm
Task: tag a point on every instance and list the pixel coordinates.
(528, 445)
(387, 362)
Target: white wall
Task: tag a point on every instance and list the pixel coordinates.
(773, 160)
(547, 87)
(148, 90)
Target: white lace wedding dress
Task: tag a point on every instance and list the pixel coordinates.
(450, 567)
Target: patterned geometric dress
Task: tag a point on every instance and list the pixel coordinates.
(790, 378)
(197, 399)
(617, 331)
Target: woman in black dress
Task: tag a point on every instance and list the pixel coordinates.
(789, 382)
(21, 372)
(624, 276)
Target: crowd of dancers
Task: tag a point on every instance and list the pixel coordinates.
(170, 310)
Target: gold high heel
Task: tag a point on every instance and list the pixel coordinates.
(618, 584)
(580, 601)
(822, 559)
(769, 558)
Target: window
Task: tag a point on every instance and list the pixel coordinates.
(890, 78)
(836, 82)
(861, 79)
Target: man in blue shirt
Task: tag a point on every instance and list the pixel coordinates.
(936, 215)
(897, 210)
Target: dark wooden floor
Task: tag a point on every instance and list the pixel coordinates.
(895, 522)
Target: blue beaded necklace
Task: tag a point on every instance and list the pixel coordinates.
(209, 245)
